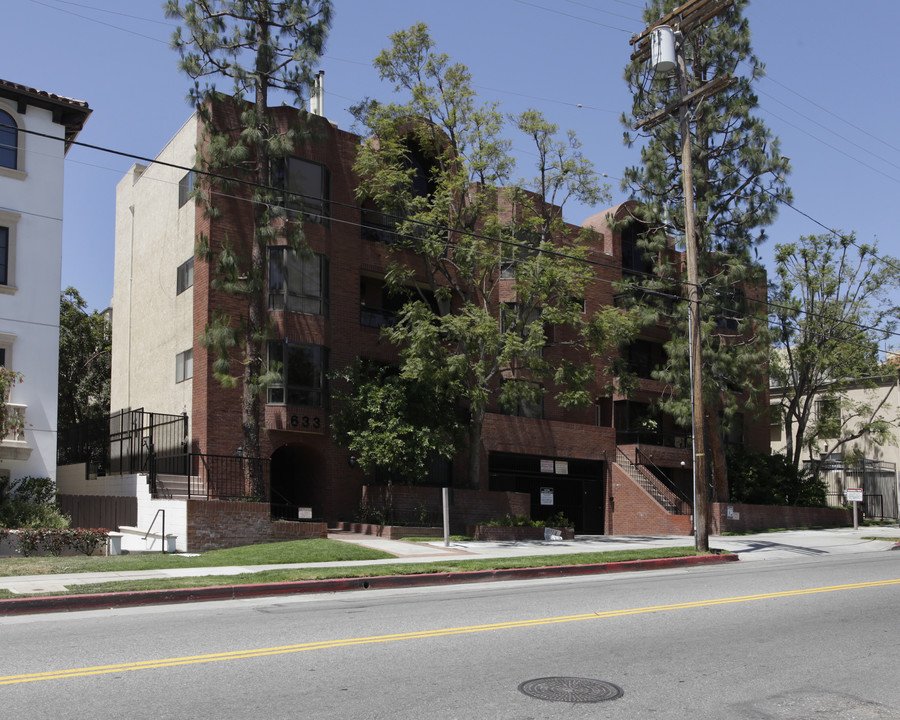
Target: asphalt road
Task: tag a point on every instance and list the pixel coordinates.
(805, 638)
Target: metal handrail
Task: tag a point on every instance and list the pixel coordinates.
(661, 475)
(152, 522)
(674, 506)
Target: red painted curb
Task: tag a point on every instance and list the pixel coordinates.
(55, 603)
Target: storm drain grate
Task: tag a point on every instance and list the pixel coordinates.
(571, 689)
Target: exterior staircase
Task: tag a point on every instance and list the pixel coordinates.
(668, 498)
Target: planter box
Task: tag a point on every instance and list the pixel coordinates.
(501, 533)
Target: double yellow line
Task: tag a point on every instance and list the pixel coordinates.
(328, 644)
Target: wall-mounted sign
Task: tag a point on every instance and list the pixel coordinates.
(562, 467)
(854, 494)
(546, 466)
(546, 496)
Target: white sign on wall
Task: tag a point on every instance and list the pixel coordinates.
(546, 496)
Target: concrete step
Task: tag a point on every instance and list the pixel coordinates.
(137, 540)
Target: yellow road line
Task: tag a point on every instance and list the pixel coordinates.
(328, 644)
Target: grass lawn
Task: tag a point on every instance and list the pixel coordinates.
(444, 566)
(294, 551)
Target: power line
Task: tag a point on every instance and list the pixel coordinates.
(99, 22)
(574, 17)
(429, 226)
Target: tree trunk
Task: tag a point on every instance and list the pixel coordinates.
(475, 430)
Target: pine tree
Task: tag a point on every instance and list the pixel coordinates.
(494, 265)
(739, 181)
(268, 49)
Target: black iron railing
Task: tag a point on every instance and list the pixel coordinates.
(128, 441)
(685, 504)
(229, 477)
(653, 437)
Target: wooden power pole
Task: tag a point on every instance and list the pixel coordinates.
(682, 20)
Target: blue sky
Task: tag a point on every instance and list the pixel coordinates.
(830, 95)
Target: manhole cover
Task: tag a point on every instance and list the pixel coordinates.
(571, 689)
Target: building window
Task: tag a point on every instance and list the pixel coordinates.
(634, 258)
(184, 366)
(643, 357)
(828, 417)
(185, 186)
(4, 255)
(184, 276)
(8, 221)
(735, 434)
(298, 283)
(6, 346)
(9, 141)
(306, 185)
(522, 398)
(302, 368)
(731, 310)
(524, 248)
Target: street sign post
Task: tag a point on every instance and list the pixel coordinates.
(854, 495)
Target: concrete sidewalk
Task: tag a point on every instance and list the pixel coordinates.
(791, 544)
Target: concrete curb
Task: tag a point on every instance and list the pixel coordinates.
(58, 603)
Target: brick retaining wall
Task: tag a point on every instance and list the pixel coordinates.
(217, 524)
(768, 517)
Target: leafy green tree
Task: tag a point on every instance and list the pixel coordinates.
(739, 181)
(495, 266)
(268, 49)
(85, 342)
(393, 423)
(833, 303)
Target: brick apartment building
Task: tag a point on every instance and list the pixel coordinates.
(604, 467)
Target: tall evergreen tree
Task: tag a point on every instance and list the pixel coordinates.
(268, 49)
(739, 181)
(495, 266)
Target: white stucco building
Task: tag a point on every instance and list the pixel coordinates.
(152, 361)
(36, 130)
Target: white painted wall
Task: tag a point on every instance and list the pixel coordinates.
(151, 323)
(29, 311)
(71, 480)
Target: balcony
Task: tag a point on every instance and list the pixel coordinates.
(14, 446)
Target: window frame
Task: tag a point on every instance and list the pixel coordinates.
(185, 187)
(293, 299)
(15, 170)
(184, 276)
(9, 221)
(287, 393)
(310, 207)
(184, 366)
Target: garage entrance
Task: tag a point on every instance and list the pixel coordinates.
(571, 486)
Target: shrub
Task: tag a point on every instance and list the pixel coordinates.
(31, 503)
(29, 541)
(558, 520)
(86, 540)
(762, 479)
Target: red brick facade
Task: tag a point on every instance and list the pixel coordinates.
(321, 474)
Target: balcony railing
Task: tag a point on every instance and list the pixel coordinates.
(17, 433)
(14, 446)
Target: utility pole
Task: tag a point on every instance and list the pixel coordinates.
(669, 32)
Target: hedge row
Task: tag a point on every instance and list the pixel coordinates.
(54, 541)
